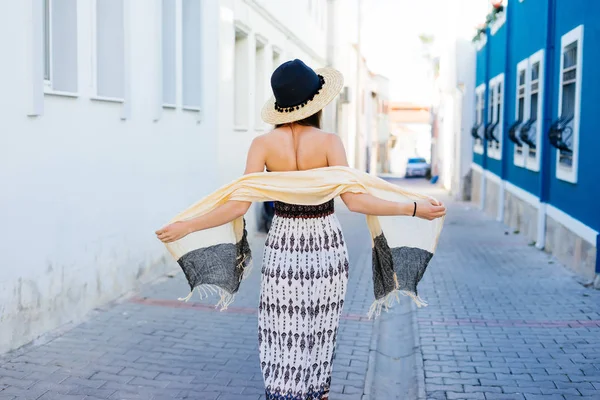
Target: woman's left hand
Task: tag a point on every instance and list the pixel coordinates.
(173, 232)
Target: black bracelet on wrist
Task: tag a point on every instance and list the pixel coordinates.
(415, 210)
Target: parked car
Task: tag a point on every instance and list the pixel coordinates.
(418, 166)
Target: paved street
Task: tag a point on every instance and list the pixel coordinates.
(504, 322)
(152, 346)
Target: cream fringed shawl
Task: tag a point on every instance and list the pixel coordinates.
(216, 260)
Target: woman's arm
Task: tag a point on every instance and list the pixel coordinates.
(223, 214)
(365, 203)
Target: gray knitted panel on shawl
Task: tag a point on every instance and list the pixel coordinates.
(214, 265)
(221, 265)
(409, 264)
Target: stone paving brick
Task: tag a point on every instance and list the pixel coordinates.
(503, 396)
(452, 395)
(509, 312)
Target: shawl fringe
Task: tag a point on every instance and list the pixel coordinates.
(386, 302)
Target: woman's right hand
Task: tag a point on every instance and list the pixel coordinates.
(430, 209)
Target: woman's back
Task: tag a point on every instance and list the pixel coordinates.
(295, 149)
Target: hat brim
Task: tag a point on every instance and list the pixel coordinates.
(334, 82)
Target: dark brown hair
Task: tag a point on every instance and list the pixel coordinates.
(313, 120)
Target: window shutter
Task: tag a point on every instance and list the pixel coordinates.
(169, 45)
(110, 49)
(64, 45)
(191, 48)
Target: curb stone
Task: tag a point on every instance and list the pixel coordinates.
(419, 364)
(372, 361)
(394, 373)
(369, 379)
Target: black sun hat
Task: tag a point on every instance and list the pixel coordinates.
(299, 92)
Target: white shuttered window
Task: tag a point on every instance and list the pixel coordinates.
(240, 80)
(169, 52)
(191, 48)
(60, 45)
(110, 49)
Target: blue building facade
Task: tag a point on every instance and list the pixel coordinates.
(535, 147)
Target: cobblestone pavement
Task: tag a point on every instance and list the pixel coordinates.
(505, 321)
(152, 346)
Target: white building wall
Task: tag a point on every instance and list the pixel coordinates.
(343, 55)
(86, 182)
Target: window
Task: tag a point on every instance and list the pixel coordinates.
(525, 131)
(478, 130)
(47, 41)
(109, 78)
(494, 130)
(169, 53)
(513, 132)
(564, 133)
(259, 82)
(240, 80)
(60, 46)
(531, 132)
(191, 54)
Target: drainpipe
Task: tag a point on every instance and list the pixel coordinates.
(549, 78)
(485, 114)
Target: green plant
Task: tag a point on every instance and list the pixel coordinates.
(489, 19)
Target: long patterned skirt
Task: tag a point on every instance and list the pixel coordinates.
(304, 276)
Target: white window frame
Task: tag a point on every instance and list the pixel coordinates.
(524, 159)
(479, 113)
(95, 95)
(261, 52)
(184, 87)
(49, 53)
(495, 150)
(177, 5)
(533, 163)
(575, 35)
(241, 83)
(522, 66)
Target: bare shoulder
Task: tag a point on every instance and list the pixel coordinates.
(336, 154)
(262, 140)
(333, 141)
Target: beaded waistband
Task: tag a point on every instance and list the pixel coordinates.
(300, 211)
